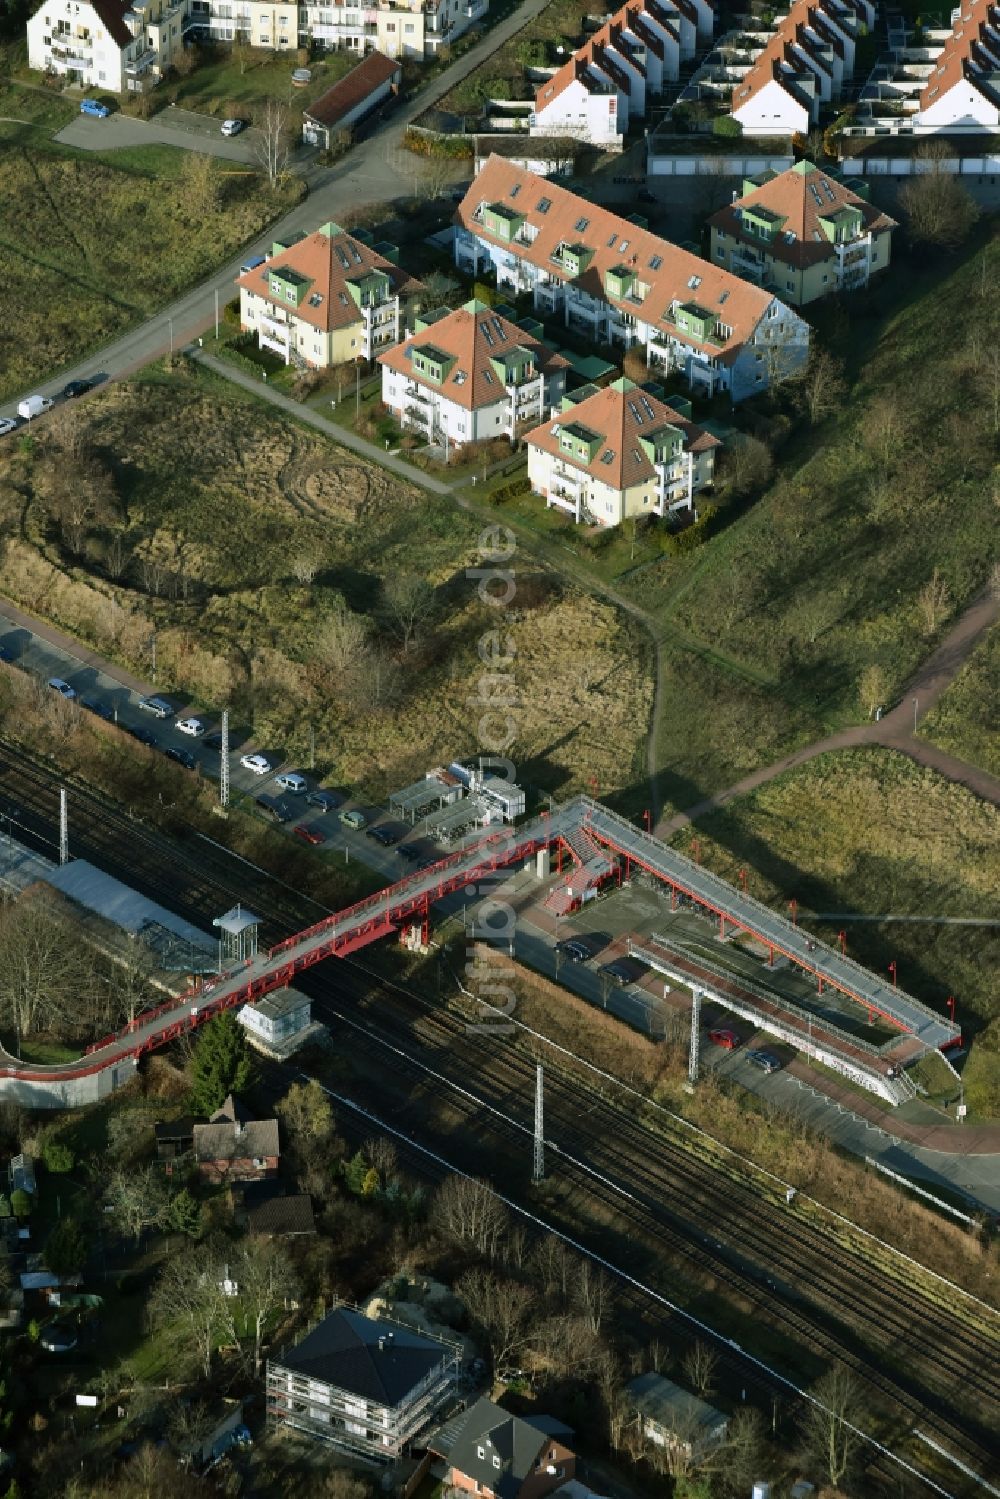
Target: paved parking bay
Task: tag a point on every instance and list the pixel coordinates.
(171, 127)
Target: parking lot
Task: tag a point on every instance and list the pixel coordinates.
(171, 127)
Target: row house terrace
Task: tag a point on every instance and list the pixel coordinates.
(615, 283)
(326, 298)
(608, 81)
(471, 375)
(805, 64)
(947, 82)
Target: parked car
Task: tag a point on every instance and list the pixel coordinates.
(33, 406)
(309, 835)
(182, 757)
(409, 852)
(353, 819)
(158, 706)
(94, 705)
(725, 1038)
(765, 1060)
(326, 801)
(232, 127)
(213, 742)
(143, 736)
(276, 811)
(386, 836)
(252, 263)
(8, 424)
(259, 764)
(75, 388)
(289, 780)
(574, 949)
(63, 688)
(94, 107)
(191, 726)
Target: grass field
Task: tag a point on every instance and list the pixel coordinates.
(224, 86)
(768, 628)
(503, 75)
(253, 544)
(867, 832)
(965, 720)
(76, 266)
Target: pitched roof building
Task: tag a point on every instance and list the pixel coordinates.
(608, 80)
(671, 1416)
(963, 91)
(620, 453)
(805, 63)
(234, 1147)
(326, 298)
(501, 1456)
(375, 79)
(803, 234)
(614, 282)
(470, 375)
(367, 1387)
(124, 46)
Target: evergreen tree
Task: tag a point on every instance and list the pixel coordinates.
(221, 1063)
(66, 1248)
(184, 1214)
(355, 1171)
(20, 1203)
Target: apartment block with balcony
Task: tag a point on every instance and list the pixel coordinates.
(367, 1388)
(803, 234)
(327, 298)
(620, 453)
(615, 283)
(119, 45)
(405, 29)
(470, 375)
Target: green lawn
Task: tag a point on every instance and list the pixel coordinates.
(768, 627)
(225, 87)
(965, 720)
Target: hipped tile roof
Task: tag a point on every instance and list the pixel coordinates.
(791, 196)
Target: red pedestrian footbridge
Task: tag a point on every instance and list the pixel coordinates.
(602, 845)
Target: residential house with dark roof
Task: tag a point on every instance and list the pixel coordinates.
(613, 282)
(326, 298)
(670, 1416)
(470, 375)
(496, 1455)
(618, 455)
(367, 1387)
(375, 79)
(234, 1147)
(802, 234)
(124, 46)
(264, 1209)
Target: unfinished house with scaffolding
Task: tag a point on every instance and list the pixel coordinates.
(367, 1387)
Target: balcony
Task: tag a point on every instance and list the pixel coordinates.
(142, 63)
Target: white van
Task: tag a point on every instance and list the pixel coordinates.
(158, 706)
(34, 406)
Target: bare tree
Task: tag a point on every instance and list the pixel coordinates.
(504, 1310)
(41, 972)
(305, 563)
(939, 210)
(139, 1198)
(934, 601)
(591, 1293)
(882, 429)
(383, 1157)
(747, 465)
(468, 1211)
(551, 1264)
(266, 1281)
(568, 1345)
(273, 142)
(873, 688)
(408, 601)
(829, 1426)
(199, 185)
(312, 1144)
(190, 1299)
(340, 641)
(699, 1364)
(823, 386)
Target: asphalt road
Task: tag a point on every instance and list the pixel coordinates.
(377, 170)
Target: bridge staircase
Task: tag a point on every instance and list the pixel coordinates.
(593, 866)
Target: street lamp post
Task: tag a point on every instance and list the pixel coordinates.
(915, 701)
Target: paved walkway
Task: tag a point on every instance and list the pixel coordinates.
(894, 731)
(343, 435)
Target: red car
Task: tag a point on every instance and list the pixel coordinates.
(729, 1040)
(308, 835)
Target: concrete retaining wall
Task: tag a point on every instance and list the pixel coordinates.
(71, 1094)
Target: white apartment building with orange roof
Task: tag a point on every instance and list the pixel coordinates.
(963, 89)
(620, 454)
(804, 64)
(615, 283)
(471, 375)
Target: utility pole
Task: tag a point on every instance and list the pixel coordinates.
(312, 747)
(695, 1036)
(224, 761)
(216, 312)
(152, 646)
(538, 1171)
(63, 827)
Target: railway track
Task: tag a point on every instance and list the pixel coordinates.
(764, 1258)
